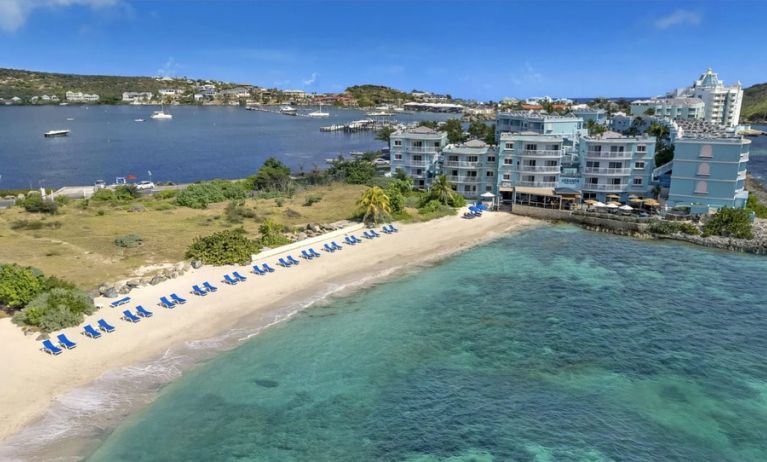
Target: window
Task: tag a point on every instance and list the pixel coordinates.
(592, 164)
(471, 173)
(530, 178)
(615, 181)
(453, 158)
(637, 181)
(638, 164)
(472, 159)
(551, 163)
(549, 179)
(531, 147)
(554, 147)
(397, 142)
(417, 144)
(701, 187)
(454, 173)
(490, 159)
(397, 156)
(436, 144)
(597, 148)
(507, 161)
(704, 169)
(509, 145)
(530, 163)
(641, 148)
(592, 180)
(706, 151)
(417, 158)
(615, 165)
(488, 188)
(418, 171)
(467, 188)
(489, 173)
(616, 148)
(506, 176)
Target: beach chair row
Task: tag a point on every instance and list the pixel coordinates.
(64, 343)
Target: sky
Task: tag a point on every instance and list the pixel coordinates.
(480, 50)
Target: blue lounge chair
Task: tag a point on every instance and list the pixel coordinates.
(239, 276)
(177, 299)
(374, 233)
(292, 260)
(257, 270)
(283, 263)
(165, 303)
(393, 229)
(306, 255)
(65, 342)
(268, 268)
(366, 235)
(89, 331)
(386, 230)
(143, 312)
(209, 287)
(198, 291)
(50, 348)
(349, 240)
(313, 252)
(119, 302)
(228, 279)
(328, 248)
(103, 325)
(335, 246)
(130, 317)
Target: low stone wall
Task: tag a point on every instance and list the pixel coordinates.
(541, 213)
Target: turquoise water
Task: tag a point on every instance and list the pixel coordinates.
(552, 345)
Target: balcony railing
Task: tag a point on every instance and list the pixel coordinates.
(463, 179)
(537, 184)
(605, 187)
(609, 154)
(742, 174)
(422, 149)
(462, 164)
(416, 163)
(607, 171)
(744, 157)
(540, 154)
(537, 169)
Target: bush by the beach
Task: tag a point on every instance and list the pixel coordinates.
(236, 211)
(56, 309)
(272, 234)
(757, 207)
(103, 195)
(34, 203)
(273, 176)
(223, 248)
(352, 171)
(165, 194)
(728, 222)
(126, 192)
(198, 196)
(18, 285)
(670, 227)
(129, 241)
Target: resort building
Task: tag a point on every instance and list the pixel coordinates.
(529, 160)
(722, 104)
(597, 115)
(416, 151)
(616, 165)
(674, 108)
(537, 122)
(137, 97)
(709, 169)
(80, 97)
(471, 167)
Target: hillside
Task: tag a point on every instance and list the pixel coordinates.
(371, 95)
(754, 103)
(26, 84)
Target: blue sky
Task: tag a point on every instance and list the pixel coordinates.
(482, 50)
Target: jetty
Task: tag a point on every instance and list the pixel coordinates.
(360, 126)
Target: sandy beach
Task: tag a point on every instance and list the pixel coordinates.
(32, 380)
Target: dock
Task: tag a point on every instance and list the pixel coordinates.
(360, 126)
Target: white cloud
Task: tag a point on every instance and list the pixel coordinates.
(169, 69)
(14, 13)
(527, 76)
(311, 80)
(678, 18)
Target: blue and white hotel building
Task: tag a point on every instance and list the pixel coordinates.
(471, 167)
(537, 122)
(417, 152)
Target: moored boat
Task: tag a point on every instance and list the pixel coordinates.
(288, 110)
(53, 133)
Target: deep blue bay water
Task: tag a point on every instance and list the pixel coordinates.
(552, 345)
(199, 143)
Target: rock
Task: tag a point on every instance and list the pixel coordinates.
(179, 268)
(301, 236)
(314, 227)
(166, 273)
(196, 264)
(111, 293)
(187, 266)
(124, 290)
(133, 283)
(42, 336)
(103, 289)
(156, 280)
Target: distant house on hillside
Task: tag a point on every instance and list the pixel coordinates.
(137, 97)
(80, 97)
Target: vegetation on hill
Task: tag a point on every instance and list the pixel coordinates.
(371, 95)
(729, 222)
(754, 107)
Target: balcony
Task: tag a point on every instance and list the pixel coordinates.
(416, 163)
(540, 154)
(464, 179)
(742, 175)
(605, 187)
(609, 155)
(607, 171)
(744, 157)
(537, 184)
(422, 149)
(462, 164)
(537, 169)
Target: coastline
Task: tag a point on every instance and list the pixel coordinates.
(34, 382)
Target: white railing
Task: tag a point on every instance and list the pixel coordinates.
(540, 153)
(416, 163)
(462, 164)
(605, 187)
(742, 175)
(537, 169)
(609, 154)
(744, 157)
(463, 179)
(422, 149)
(607, 171)
(537, 184)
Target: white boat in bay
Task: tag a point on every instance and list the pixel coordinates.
(161, 114)
(318, 113)
(53, 133)
(288, 110)
(138, 120)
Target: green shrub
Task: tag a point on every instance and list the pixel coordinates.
(166, 194)
(18, 285)
(311, 199)
(272, 176)
(279, 202)
(671, 227)
(271, 234)
(126, 192)
(729, 222)
(56, 309)
(223, 248)
(103, 195)
(396, 199)
(62, 200)
(35, 224)
(757, 207)
(34, 203)
(129, 241)
(198, 196)
(236, 211)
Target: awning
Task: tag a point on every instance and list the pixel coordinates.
(488, 195)
(534, 191)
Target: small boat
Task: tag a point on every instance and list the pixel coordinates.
(288, 110)
(319, 113)
(53, 133)
(379, 114)
(70, 118)
(138, 120)
(161, 114)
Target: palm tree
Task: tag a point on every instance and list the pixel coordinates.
(376, 204)
(442, 190)
(659, 131)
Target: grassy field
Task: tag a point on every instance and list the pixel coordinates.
(78, 243)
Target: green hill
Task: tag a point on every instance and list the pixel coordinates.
(754, 107)
(26, 84)
(371, 95)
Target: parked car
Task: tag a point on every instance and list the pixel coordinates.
(142, 185)
(100, 184)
